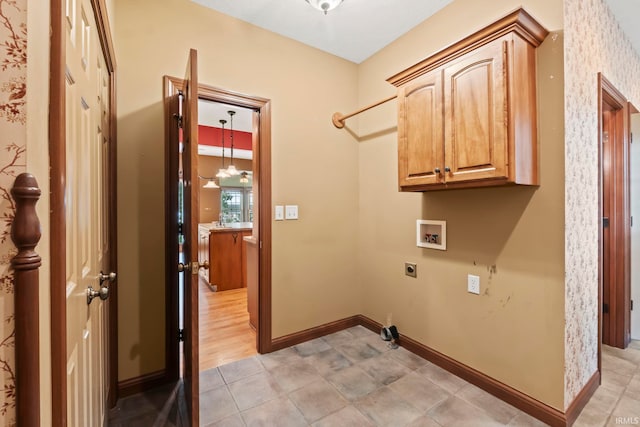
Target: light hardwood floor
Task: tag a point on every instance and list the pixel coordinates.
(225, 334)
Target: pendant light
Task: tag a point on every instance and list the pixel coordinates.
(324, 5)
(231, 170)
(210, 184)
(222, 173)
(244, 177)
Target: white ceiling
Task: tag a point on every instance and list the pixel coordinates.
(357, 29)
(354, 30)
(210, 113)
(627, 13)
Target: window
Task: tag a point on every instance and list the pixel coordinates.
(236, 204)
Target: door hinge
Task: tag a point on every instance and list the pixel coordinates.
(178, 117)
(631, 305)
(631, 225)
(180, 335)
(605, 222)
(605, 308)
(179, 228)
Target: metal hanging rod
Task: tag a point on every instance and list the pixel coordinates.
(338, 119)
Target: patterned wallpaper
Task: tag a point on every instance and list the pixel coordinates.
(13, 76)
(593, 43)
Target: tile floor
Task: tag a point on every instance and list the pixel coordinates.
(617, 401)
(351, 378)
(159, 407)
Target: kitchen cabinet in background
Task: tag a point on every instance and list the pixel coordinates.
(227, 258)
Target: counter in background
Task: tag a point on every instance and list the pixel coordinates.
(228, 226)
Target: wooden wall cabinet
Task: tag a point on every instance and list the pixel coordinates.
(467, 114)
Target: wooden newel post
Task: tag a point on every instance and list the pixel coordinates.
(25, 233)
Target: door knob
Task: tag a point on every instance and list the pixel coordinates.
(103, 293)
(447, 169)
(436, 171)
(106, 277)
(193, 267)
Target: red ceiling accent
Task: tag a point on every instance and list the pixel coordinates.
(208, 135)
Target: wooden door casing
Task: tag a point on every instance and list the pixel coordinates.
(608, 327)
(261, 141)
(615, 240)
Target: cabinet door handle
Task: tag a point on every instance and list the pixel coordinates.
(447, 169)
(436, 171)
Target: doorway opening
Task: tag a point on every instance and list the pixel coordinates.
(252, 210)
(615, 227)
(227, 313)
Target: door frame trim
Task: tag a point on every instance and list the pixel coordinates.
(57, 163)
(263, 154)
(620, 315)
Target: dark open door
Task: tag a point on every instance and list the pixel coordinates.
(190, 211)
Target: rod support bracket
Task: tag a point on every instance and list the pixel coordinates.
(337, 120)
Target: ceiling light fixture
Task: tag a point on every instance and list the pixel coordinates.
(324, 5)
(231, 170)
(210, 184)
(222, 173)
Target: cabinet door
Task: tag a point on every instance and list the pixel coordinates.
(420, 139)
(226, 267)
(476, 115)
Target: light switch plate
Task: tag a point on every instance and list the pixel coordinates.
(279, 213)
(291, 212)
(473, 284)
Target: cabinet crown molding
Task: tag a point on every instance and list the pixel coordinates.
(518, 22)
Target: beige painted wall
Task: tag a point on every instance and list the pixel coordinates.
(210, 197)
(314, 166)
(513, 238)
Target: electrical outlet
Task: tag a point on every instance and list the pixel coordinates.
(473, 284)
(410, 269)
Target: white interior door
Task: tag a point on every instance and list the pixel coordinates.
(87, 112)
(635, 229)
